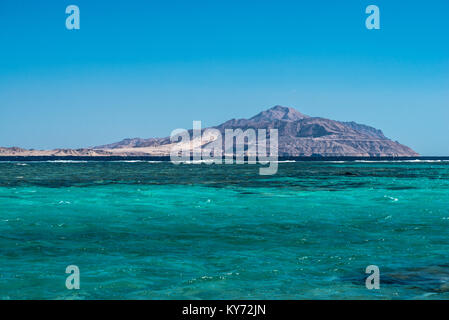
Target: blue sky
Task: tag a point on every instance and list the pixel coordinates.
(144, 68)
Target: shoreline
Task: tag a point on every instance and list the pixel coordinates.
(167, 158)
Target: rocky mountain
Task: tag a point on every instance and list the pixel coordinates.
(302, 135)
(299, 135)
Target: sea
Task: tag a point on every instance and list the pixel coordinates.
(150, 229)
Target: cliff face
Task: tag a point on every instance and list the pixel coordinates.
(299, 135)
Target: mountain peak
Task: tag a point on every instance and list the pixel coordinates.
(279, 113)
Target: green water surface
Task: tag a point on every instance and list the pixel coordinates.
(150, 230)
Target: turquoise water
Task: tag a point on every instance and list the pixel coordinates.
(148, 230)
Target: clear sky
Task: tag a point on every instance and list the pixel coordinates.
(144, 68)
